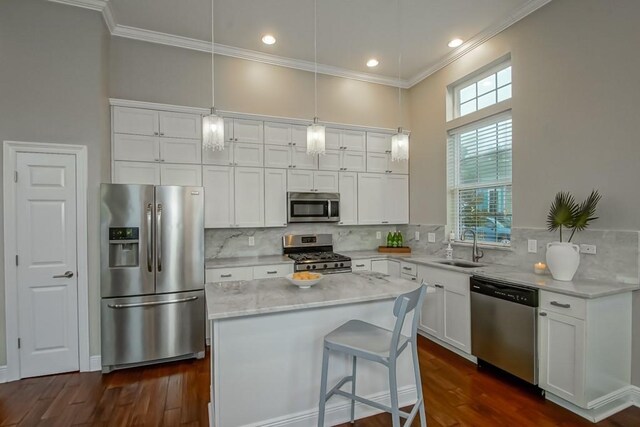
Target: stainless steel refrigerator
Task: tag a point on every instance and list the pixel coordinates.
(152, 274)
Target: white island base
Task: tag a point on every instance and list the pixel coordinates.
(265, 368)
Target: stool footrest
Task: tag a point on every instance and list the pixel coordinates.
(368, 402)
(336, 389)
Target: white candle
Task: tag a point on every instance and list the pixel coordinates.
(539, 268)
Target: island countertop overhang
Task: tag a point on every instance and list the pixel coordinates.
(261, 296)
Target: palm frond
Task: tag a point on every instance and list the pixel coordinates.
(562, 211)
(586, 213)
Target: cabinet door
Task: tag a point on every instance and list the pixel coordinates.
(378, 143)
(398, 166)
(332, 139)
(457, 318)
(219, 157)
(275, 200)
(377, 162)
(249, 197)
(561, 356)
(371, 202)
(136, 173)
(247, 131)
(397, 199)
(299, 136)
(177, 174)
(228, 130)
(355, 161)
(326, 182)
(380, 266)
(277, 156)
(302, 160)
(348, 198)
(277, 133)
(431, 314)
(361, 264)
(300, 180)
(176, 150)
(330, 160)
(218, 196)
(180, 125)
(135, 121)
(353, 140)
(248, 154)
(136, 148)
(393, 268)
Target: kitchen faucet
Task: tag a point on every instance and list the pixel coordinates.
(476, 254)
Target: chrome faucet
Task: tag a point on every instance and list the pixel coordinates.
(476, 254)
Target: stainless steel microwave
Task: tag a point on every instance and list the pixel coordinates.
(313, 207)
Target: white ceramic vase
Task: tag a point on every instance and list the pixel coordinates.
(563, 260)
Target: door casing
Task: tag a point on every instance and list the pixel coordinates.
(10, 150)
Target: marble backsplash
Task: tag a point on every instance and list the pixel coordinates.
(617, 256)
(225, 243)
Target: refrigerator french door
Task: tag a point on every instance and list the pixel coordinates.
(152, 274)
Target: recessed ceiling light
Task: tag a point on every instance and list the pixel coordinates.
(455, 43)
(268, 39)
(372, 62)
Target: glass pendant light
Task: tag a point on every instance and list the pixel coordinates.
(315, 131)
(399, 141)
(213, 125)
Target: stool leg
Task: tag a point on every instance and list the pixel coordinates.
(353, 391)
(323, 386)
(416, 369)
(393, 391)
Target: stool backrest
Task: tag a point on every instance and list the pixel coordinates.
(405, 304)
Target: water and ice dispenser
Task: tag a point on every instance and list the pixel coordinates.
(124, 247)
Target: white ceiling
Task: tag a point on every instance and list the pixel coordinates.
(349, 31)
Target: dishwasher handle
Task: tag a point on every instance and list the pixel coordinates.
(505, 291)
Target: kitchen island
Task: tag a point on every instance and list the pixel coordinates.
(266, 348)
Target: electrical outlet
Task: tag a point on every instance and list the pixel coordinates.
(588, 249)
(431, 237)
(416, 235)
(252, 241)
(532, 246)
(378, 235)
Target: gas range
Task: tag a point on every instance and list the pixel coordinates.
(314, 252)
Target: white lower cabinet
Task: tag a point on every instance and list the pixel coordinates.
(348, 185)
(383, 198)
(228, 274)
(361, 264)
(386, 266)
(446, 314)
(275, 201)
(268, 271)
(584, 346)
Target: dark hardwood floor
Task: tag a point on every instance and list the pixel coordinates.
(176, 394)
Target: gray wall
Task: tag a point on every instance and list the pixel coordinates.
(575, 112)
(53, 88)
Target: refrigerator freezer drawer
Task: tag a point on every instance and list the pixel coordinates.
(137, 330)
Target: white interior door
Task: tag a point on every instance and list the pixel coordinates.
(47, 263)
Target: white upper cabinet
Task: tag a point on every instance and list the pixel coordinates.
(348, 182)
(302, 160)
(397, 199)
(136, 121)
(299, 136)
(219, 203)
(250, 131)
(178, 174)
(331, 160)
(300, 180)
(377, 162)
(136, 148)
(342, 160)
(277, 133)
(398, 166)
(180, 125)
(219, 157)
(246, 154)
(177, 150)
(277, 156)
(332, 139)
(275, 201)
(249, 197)
(136, 173)
(326, 182)
(383, 199)
(378, 143)
(344, 139)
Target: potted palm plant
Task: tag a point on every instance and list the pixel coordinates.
(563, 258)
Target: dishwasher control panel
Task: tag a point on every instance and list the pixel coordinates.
(505, 291)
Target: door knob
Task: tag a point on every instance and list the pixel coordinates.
(66, 275)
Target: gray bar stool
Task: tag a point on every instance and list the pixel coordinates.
(361, 339)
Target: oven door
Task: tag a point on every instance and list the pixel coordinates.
(313, 207)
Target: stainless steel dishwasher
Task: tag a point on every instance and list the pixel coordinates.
(503, 327)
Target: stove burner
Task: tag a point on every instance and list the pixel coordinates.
(316, 257)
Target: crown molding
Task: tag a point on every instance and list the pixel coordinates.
(479, 39)
(116, 102)
(141, 34)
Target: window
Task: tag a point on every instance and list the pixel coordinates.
(479, 179)
(483, 90)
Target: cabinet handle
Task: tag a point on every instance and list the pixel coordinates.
(284, 224)
(225, 275)
(439, 286)
(271, 272)
(413, 278)
(295, 143)
(559, 304)
(162, 160)
(157, 160)
(407, 268)
(542, 313)
(155, 133)
(385, 222)
(293, 166)
(161, 133)
(359, 265)
(230, 163)
(290, 143)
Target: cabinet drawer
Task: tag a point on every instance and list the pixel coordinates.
(451, 280)
(408, 268)
(563, 304)
(406, 276)
(361, 264)
(267, 271)
(228, 274)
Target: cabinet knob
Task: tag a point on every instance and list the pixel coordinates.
(294, 143)
(155, 133)
(161, 133)
(293, 166)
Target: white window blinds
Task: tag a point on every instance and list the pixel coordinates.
(479, 179)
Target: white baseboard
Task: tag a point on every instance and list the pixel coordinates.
(3, 374)
(95, 363)
(449, 347)
(604, 407)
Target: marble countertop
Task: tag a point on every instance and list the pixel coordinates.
(253, 297)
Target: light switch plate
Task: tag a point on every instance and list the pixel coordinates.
(431, 237)
(532, 246)
(416, 235)
(378, 235)
(588, 249)
(252, 241)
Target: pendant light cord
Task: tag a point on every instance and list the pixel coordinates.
(315, 57)
(213, 70)
(399, 64)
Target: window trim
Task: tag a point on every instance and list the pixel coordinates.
(475, 78)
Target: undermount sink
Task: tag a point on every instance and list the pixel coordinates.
(460, 263)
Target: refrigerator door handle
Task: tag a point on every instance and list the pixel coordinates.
(159, 236)
(149, 241)
(150, 303)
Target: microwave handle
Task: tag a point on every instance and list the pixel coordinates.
(328, 208)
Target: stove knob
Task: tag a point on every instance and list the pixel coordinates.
(336, 265)
(325, 266)
(342, 264)
(314, 267)
(309, 267)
